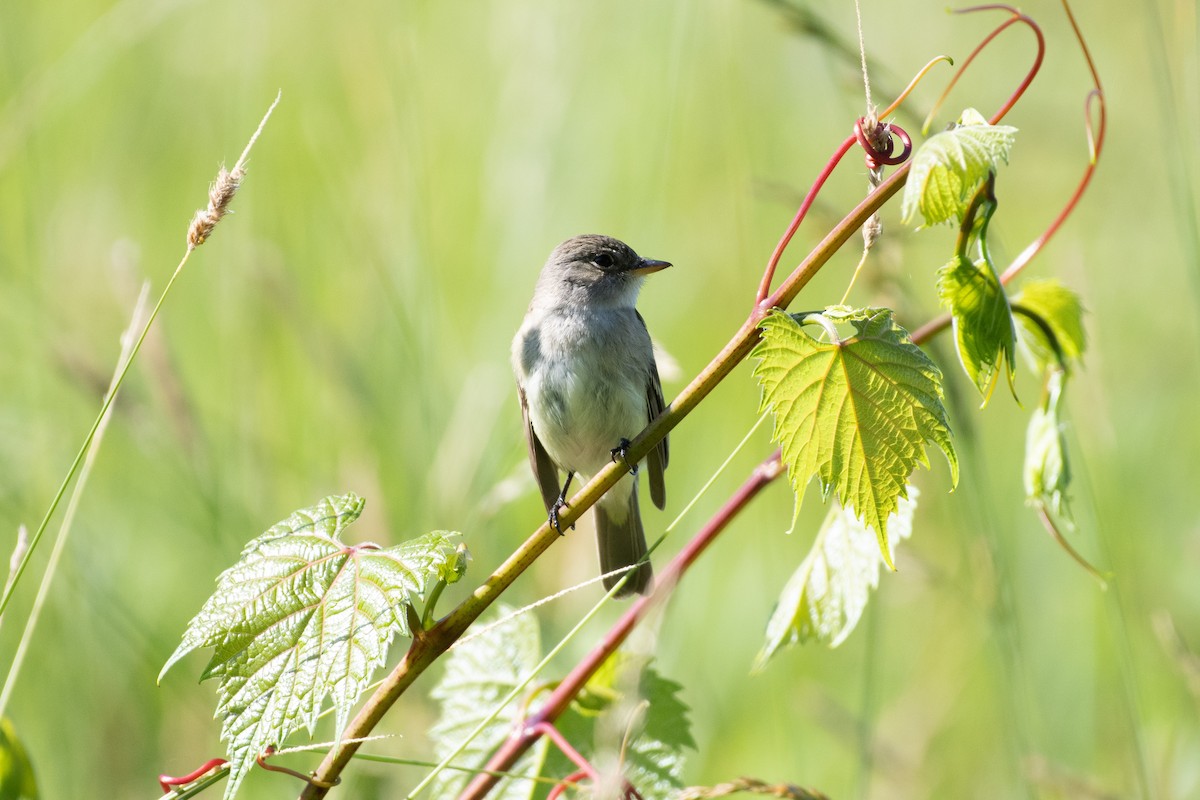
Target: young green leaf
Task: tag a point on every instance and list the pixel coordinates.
(479, 674)
(826, 595)
(950, 165)
(1060, 310)
(983, 322)
(303, 616)
(855, 413)
(1047, 471)
(630, 723)
(656, 755)
(17, 781)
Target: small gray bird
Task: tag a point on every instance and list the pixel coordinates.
(588, 383)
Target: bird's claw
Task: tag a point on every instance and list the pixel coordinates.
(554, 523)
(621, 451)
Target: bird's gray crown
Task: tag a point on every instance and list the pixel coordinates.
(594, 251)
(592, 272)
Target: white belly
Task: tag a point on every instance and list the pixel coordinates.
(587, 390)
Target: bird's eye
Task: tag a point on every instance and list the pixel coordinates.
(604, 261)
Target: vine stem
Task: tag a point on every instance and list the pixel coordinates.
(764, 288)
(1095, 146)
(425, 650)
(1016, 17)
(562, 695)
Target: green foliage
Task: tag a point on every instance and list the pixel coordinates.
(479, 674)
(1061, 312)
(1054, 339)
(855, 413)
(950, 165)
(1047, 471)
(826, 595)
(639, 719)
(302, 616)
(983, 325)
(627, 710)
(452, 569)
(17, 781)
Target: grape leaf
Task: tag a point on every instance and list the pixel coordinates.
(855, 413)
(638, 723)
(656, 756)
(17, 781)
(950, 165)
(983, 322)
(1047, 471)
(479, 674)
(1061, 311)
(302, 616)
(826, 595)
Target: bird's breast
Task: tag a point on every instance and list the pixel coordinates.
(584, 377)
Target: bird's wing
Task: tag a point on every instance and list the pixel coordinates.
(657, 458)
(544, 470)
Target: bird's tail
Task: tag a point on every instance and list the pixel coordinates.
(622, 542)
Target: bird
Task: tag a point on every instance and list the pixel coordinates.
(588, 382)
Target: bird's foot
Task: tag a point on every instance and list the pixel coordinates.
(554, 523)
(559, 504)
(621, 451)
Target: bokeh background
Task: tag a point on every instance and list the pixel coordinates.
(348, 329)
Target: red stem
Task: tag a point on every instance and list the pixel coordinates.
(764, 288)
(504, 758)
(548, 730)
(1029, 76)
(167, 782)
(562, 785)
(1095, 146)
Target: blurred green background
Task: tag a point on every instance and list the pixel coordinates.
(348, 329)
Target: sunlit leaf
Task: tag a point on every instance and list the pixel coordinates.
(303, 616)
(855, 413)
(1061, 311)
(641, 727)
(983, 322)
(479, 674)
(17, 780)
(601, 690)
(1047, 471)
(949, 166)
(628, 721)
(657, 755)
(826, 595)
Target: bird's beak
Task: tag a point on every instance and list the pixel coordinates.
(647, 265)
